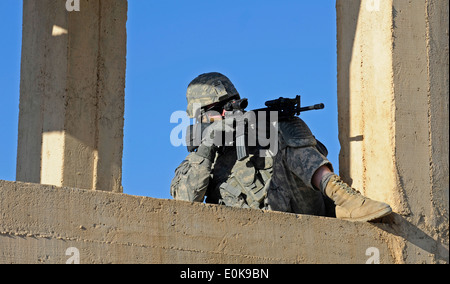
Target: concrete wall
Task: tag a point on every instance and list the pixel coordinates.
(40, 223)
(72, 94)
(393, 119)
(393, 107)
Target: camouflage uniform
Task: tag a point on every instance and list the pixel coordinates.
(278, 181)
(281, 182)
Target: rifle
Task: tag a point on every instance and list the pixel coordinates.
(235, 109)
(285, 108)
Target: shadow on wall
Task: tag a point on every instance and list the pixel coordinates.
(397, 225)
(346, 29)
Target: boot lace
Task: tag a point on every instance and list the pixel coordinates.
(347, 188)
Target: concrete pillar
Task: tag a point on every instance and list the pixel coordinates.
(72, 94)
(393, 83)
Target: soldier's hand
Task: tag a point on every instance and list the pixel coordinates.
(214, 134)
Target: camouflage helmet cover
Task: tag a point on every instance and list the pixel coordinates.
(207, 89)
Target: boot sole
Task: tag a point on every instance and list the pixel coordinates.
(376, 215)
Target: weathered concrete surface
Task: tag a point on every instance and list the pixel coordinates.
(393, 119)
(72, 94)
(39, 223)
(393, 97)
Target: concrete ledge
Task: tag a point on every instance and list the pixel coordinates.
(39, 223)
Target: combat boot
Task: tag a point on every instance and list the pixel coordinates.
(351, 205)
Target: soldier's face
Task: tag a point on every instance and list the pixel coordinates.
(212, 116)
(214, 112)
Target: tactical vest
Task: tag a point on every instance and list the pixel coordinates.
(243, 183)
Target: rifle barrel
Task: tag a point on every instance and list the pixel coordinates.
(314, 107)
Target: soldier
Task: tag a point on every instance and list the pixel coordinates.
(297, 179)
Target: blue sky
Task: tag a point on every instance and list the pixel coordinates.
(267, 48)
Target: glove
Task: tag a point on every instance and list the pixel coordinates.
(212, 138)
(213, 134)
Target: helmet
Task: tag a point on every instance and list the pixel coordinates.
(207, 89)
